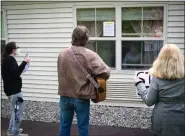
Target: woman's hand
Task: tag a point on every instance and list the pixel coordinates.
(27, 59)
(137, 80)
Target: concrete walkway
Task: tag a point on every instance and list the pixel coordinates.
(51, 129)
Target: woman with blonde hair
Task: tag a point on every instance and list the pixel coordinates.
(166, 92)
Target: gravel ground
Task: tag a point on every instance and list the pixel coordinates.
(99, 114)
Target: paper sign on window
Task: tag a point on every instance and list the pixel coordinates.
(149, 46)
(152, 45)
(108, 28)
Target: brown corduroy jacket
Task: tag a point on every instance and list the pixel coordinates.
(72, 81)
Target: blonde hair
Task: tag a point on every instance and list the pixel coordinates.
(169, 63)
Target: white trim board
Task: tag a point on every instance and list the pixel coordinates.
(40, 1)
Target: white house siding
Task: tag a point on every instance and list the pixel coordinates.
(42, 30)
(45, 29)
(176, 24)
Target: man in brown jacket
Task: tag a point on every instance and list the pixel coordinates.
(75, 89)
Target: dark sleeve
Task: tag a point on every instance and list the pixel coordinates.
(125, 59)
(14, 69)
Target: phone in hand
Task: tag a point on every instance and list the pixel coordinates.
(26, 55)
(27, 65)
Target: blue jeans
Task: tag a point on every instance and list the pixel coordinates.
(68, 106)
(17, 113)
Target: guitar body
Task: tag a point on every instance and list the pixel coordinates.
(101, 92)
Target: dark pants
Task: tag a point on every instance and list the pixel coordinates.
(67, 108)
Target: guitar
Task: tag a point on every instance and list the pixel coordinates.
(101, 91)
(98, 82)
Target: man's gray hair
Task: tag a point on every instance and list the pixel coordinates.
(80, 36)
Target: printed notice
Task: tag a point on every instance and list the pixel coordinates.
(108, 28)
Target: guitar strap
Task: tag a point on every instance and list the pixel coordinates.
(88, 76)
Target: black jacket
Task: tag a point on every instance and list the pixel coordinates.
(10, 71)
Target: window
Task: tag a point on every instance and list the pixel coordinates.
(3, 35)
(94, 19)
(139, 54)
(141, 32)
(142, 22)
(105, 49)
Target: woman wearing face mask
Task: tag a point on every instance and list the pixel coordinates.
(12, 81)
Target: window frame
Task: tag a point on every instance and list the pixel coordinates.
(5, 39)
(5, 26)
(98, 38)
(118, 34)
